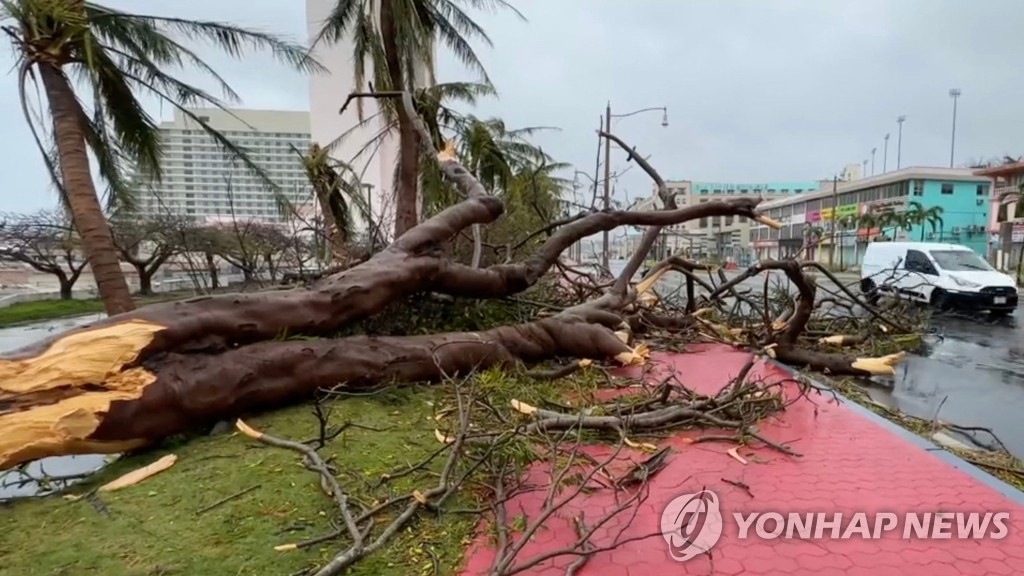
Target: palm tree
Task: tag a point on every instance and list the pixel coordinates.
(329, 188)
(114, 55)
(933, 216)
(915, 216)
(846, 223)
(397, 39)
(812, 234)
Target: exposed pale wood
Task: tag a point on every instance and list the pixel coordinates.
(51, 403)
(86, 357)
(138, 475)
(882, 366)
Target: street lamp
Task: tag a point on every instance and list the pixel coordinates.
(885, 155)
(954, 93)
(899, 140)
(873, 150)
(608, 166)
(865, 170)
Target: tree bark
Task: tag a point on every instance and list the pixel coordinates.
(406, 215)
(211, 267)
(145, 280)
(97, 241)
(134, 378)
(66, 287)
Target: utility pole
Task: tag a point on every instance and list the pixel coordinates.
(607, 180)
(885, 155)
(873, 150)
(899, 140)
(954, 93)
(835, 205)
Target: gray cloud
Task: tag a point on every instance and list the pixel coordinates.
(767, 90)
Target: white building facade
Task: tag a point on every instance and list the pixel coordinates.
(203, 182)
(374, 166)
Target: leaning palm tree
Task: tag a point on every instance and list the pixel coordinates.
(396, 38)
(330, 192)
(73, 46)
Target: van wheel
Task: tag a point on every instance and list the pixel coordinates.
(939, 299)
(867, 287)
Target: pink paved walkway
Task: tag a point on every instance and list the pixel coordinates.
(849, 464)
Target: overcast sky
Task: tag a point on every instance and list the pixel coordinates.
(766, 90)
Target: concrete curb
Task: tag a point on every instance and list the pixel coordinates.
(934, 449)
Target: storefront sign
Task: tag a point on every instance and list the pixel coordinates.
(826, 213)
(813, 216)
(890, 204)
(799, 218)
(765, 243)
(846, 210)
(1017, 235)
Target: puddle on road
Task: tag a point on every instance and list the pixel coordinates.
(970, 373)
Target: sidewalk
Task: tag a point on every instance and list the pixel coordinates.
(851, 461)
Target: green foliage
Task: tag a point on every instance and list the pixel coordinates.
(117, 56)
(425, 314)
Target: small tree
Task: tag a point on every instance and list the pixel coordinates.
(46, 241)
(147, 244)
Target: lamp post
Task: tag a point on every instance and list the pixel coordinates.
(865, 171)
(608, 166)
(873, 150)
(899, 139)
(954, 93)
(885, 155)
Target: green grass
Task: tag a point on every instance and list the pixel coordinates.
(46, 309)
(153, 527)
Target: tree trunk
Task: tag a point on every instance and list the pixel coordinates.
(97, 241)
(67, 286)
(408, 141)
(128, 380)
(211, 267)
(145, 280)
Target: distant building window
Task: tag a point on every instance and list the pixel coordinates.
(947, 188)
(204, 118)
(918, 188)
(703, 222)
(718, 191)
(982, 189)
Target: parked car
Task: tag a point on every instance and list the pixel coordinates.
(943, 275)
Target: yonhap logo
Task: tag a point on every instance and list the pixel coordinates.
(692, 524)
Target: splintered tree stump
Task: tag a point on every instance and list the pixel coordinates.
(101, 390)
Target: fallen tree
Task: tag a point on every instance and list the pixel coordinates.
(137, 377)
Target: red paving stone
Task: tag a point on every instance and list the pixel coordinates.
(849, 464)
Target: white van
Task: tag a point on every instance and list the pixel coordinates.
(944, 275)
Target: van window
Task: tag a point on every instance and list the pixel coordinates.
(917, 262)
(959, 260)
